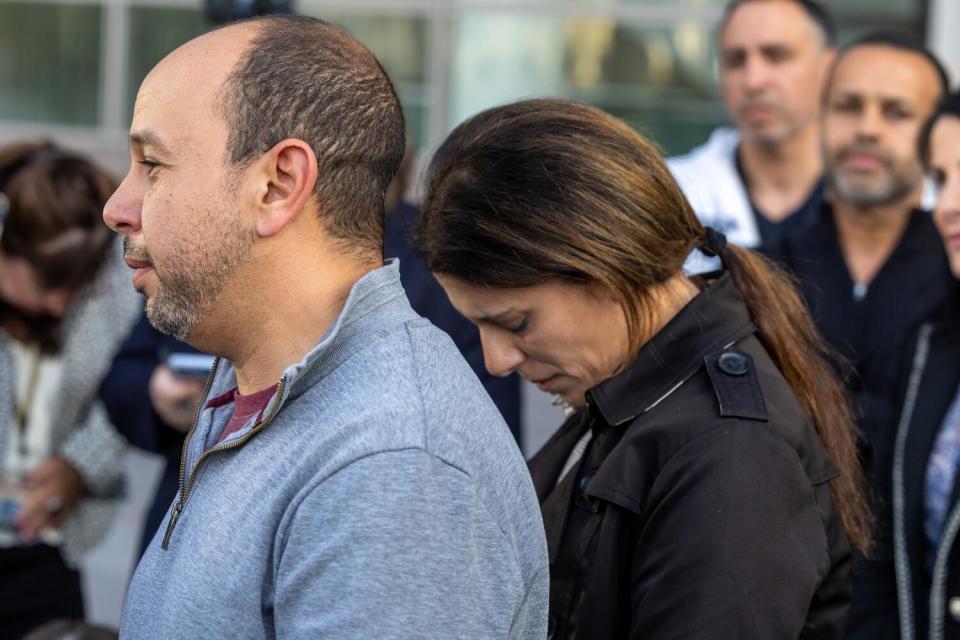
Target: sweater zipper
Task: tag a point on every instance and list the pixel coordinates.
(901, 561)
(185, 488)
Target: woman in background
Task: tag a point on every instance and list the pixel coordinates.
(65, 306)
(707, 484)
(926, 512)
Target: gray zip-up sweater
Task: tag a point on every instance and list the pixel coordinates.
(381, 496)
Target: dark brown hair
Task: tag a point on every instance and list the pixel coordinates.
(948, 106)
(54, 213)
(52, 218)
(891, 39)
(303, 78)
(549, 189)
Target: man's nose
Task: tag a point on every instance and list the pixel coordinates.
(756, 74)
(870, 124)
(122, 211)
(500, 355)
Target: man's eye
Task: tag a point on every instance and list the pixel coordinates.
(149, 164)
(896, 113)
(846, 107)
(733, 60)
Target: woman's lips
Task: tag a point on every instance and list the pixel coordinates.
(545, 383)
(953, 241)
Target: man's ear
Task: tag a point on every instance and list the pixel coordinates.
(289, 173)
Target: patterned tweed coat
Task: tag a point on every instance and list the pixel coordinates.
(93, 330)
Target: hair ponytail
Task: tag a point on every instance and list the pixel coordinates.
(789, 334)
(548, 189)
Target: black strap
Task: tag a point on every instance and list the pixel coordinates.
(713, 243)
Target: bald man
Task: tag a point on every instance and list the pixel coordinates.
(346, 476)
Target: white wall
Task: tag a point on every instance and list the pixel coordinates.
(943, 35)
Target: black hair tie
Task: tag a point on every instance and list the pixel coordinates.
(713, 243)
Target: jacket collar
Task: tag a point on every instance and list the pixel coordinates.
(376, 304)
(715, 318)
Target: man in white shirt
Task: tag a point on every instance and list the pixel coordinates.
(764, 177)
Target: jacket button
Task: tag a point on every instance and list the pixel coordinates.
(733, 363)
(954, 607)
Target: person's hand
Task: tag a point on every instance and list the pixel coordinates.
(174, 398)
(50, 494)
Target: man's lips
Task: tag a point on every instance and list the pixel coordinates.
(136, 264)
(141, 269)
(863, 162)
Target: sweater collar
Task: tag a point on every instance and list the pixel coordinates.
(376, 303)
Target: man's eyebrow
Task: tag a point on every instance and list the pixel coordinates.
(146, 138)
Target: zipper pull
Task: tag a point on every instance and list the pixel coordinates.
(174, 515)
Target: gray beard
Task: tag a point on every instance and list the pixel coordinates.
(892, 190)
(182, 299)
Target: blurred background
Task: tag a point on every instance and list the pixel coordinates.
(70, 70)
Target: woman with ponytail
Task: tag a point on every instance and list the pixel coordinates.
(706, 483)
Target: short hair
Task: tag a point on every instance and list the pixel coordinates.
(949, 106)
(895, 40)
(304, 78)
(815, 11)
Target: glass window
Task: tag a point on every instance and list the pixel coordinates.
(662, 80)
(400, 43)
(50, 63)
(155, 32)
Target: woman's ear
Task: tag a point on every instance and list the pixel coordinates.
(289, 173)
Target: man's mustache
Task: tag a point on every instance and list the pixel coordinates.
(758, 101)
(138, 253)
(864, 150)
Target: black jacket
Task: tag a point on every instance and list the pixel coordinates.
(701, 508)
(870, 333)
(928, 393)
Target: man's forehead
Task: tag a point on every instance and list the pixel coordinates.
(165, 115)
(179, 98)
(768, 23)
(886, 73)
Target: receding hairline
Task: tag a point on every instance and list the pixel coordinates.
(846, 53)
(823, 36)
(258, 29)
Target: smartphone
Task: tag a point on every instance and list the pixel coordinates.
(9, 508)
(190, 365)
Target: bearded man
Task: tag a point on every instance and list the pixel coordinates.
(870, 262)
(346, 475)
